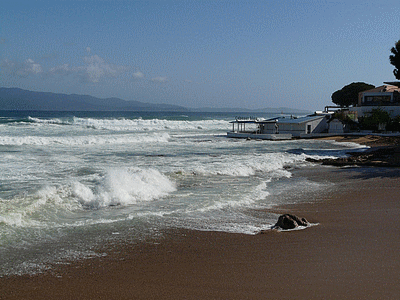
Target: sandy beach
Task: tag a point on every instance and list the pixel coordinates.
(351, 254)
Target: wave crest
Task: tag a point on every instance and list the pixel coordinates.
(125, 187)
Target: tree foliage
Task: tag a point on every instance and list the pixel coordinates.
(395, 59)
(372, 120)
(394, 124)
(348, 95)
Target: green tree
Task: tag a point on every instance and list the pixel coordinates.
(395, 59)
(348, 95)
(375, 117)
(394, 124)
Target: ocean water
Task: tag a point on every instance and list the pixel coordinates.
(70, 182)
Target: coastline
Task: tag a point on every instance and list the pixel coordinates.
(351, 254)
(383, 152)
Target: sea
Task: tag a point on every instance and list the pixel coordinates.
(73, 181)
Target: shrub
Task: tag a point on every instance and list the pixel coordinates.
(372, 120)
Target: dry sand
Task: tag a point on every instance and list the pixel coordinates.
(352, 254)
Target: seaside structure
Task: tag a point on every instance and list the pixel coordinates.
(282, 128)
(321, 123)
(386, 97)
(335, 126)
(256, 129)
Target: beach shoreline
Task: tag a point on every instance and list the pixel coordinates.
(351, 254)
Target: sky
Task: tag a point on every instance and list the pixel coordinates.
(198, 53)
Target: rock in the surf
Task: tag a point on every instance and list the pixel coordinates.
(289, 221)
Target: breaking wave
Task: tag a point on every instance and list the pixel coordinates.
(83, 140)
(124, 187)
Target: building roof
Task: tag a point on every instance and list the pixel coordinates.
(396, 83)
(383, 89)
(286, 120)
(246, 121)
(298, 120)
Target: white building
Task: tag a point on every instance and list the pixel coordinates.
(335, 126)
(299, 127)
(386, 97)
(280, 128)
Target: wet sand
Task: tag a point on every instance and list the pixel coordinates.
(352, 254)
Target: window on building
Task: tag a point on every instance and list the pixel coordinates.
(308, 129)
(377, 100)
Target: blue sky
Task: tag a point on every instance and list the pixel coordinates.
(250, 54)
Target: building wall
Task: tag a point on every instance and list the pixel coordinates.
(321, 125)
(269, 128)
(381, 95)
(293, 128)
(335, 126)
(298, 129)
(374, 99)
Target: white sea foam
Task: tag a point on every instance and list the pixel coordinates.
(84, 140)
(117, 187)
(20, 217)
(247, 165)
(350, 145)
(37, 209)
(148, 124)
(54, 121)
(125, 187)
(260, 192)
(12, 219)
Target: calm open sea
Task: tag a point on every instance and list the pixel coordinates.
(72, 181)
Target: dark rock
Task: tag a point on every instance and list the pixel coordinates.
(289, 221)
(388, 156)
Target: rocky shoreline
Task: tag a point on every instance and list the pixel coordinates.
(384, 152)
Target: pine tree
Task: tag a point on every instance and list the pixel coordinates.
(395, 59)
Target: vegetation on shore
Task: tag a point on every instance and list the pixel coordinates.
(378, 119)
(348, 95)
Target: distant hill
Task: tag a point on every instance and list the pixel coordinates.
(19, 99)
(283, 110)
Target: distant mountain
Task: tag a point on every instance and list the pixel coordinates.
(283, 110)
(286, 110)
(19, 99)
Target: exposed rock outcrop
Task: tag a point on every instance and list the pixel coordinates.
(289, 221)
(376, 157)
